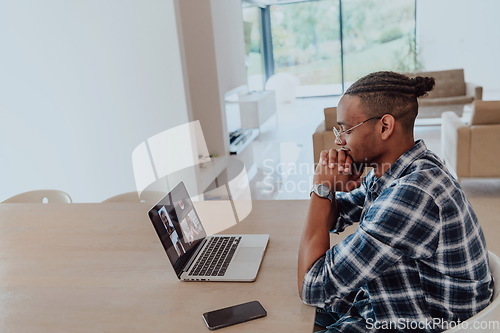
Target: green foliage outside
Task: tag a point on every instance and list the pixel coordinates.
(377, 35)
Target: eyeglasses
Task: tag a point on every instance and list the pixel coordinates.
(338, 134)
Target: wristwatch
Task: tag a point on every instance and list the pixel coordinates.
(322, 191)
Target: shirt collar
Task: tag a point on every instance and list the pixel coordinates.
(397, 168)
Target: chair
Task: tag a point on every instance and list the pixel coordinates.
(284, 85)
(451, 93)
(323, 137)
(471, 148)
(489, 316)
(124, 197)
(40, 196)
(151, 197)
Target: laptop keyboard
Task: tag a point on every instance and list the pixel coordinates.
(216, 256)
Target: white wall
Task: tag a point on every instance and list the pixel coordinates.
(229, 44)
(461, 34)
(214, 55)
(81, 84)
(198, 50)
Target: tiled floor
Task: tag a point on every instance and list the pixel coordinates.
(283, 152)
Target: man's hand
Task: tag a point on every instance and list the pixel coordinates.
(336, 170)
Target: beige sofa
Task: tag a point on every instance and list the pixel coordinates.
(471, 148)
(324, 138)
(450, 88)
(450, 93)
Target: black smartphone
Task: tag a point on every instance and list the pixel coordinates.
(234, 315)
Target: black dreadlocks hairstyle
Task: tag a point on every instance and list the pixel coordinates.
(391, 93)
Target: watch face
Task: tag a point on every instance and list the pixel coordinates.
(323, 190)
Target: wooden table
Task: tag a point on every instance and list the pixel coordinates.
(101, 268)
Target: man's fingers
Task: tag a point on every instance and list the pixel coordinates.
(342, 158)
(332, 158)
(323, 157)
(336, 168)
(348, 167)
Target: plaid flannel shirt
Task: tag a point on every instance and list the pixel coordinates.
(418, 253)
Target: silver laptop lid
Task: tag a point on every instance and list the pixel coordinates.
(178, 226)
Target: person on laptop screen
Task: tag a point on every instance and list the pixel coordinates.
(418, 259)
(176, 243)
(169, 225)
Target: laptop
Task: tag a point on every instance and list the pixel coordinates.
(196, 256)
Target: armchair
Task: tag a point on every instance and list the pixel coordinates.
(450, 93)
(471, 149)
(324, 138)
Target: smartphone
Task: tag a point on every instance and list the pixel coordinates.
(234, 315)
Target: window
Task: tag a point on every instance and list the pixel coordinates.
(328, 44)
(377, 35)
(306, 44)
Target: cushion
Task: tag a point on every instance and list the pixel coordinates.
(485, 112)
(446, 100)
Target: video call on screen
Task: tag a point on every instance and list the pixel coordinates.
(178, 225)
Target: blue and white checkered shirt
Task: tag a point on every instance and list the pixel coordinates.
(418, 254)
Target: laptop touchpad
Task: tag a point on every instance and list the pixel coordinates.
(246, 254)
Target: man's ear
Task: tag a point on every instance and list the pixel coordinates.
(388, 122)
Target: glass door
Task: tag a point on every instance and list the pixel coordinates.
(306, 44)
(378, 35)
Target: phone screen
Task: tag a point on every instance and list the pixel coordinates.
(234, 315)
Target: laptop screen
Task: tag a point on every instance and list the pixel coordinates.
(178, 226)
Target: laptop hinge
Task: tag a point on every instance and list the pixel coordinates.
(193, 257)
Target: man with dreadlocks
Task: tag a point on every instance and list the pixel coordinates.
(418, 259)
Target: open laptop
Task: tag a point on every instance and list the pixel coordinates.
(196, 256)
